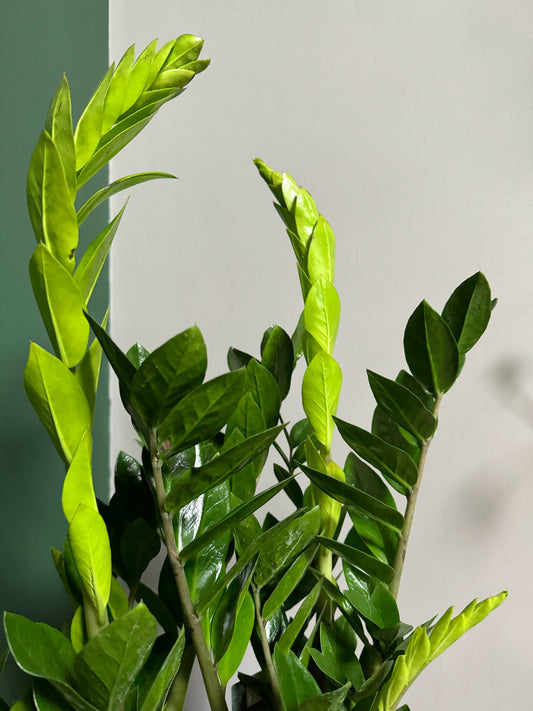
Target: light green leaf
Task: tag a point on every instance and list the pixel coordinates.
(223, 624)
(430, 349)
(467, 311)
(34, 188)
(78, 631)
(109, 663)
(321, 387)
(168, 374)
(91, 550)
(160, 686)
(89, 128)
(296, 683)
(402, 406)
(59, 127)
(197, 480)
(322, 313)
(204, 411)
(139, 76)
(116, 187)
(118, 600)
(321, 255)
(118, 85)
(58, 400)
(371, 598)
(78, 486)
(233, 656)
(305, 215)
(61, 305)
(90, 266)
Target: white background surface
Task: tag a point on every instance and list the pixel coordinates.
(411, 125)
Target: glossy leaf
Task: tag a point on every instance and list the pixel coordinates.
(204, 411)
(467, 311)
(359, 559)
(402, 406)
(244, 624)
(225, 617)
(58, 400)
(277, 355)
(357, 498)
(89, 127)
(109, 663)
(431, 350)
(78, 486)
(114, 98)
(238, 359)
(124, 369)
(296, 683)
(371, 598)
(342, 604)
(293, 489)
(139, 544)
(330, 701)
(161, 684)
(46, 698)
(139, 76)
(283, 548)
(159, 608)
(262, 385)
(93, 260)
(137, 354)
(408, 381)
(59, 127)
(196, 481)
(61, 305)
(338, 642)
(386, 429)
(322, 313)
(288, 582)
(320, 395)
(395, 465)
(88, 371)
(236, 515)
(90, 547)
(168, 374)
(321, 253)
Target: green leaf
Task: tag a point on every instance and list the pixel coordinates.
(395, 465)
(236, 515)
(371, 598)
(197, 480)
(89, 542)
(139, 76)
(359, 559)
(118, 600)
(402, 406)
(277, 354)
(288, 582)
(338, 642)
(321, 254)
(78, 486)
(123, 367)
(88, 371)
(89, 128)
(58, 399)
(114, 99)
(204, 411)
(46, 698)
(116, 187)
(321, 387)
(296, 684)
(331, 701)
(161, 684)
(278, 553)
(322, 313)
(90, 266)
(262, 385)
(431, 350)
(343, 604)
(244, 625)
(158, 607)
(139, 545)
(109, 663)
(137, 354)
(225, 617)
(237, 359)
(168, 374)
(357, 498)
(467, 311)
(61, 305)
(59, 127)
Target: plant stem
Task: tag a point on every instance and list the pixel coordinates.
(213, 687)
(274, 685)
(178, 690)
(399, 558)
(92, 624)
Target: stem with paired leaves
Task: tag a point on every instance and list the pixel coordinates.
(215, 692)
(399, 558)
(273, 677)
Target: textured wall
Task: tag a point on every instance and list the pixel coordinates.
(410, 123)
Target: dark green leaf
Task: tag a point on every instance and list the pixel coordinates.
(264, 389)
(331, 701)
(395, 465)
(168, 374)
(204, 411)
(197, 480)
(223, 623)
(277, 354)
(124, 369)
(236, 515)
(343, 604)
(371, 598)
(137, 354)
(467, 311)
(296, 684)
(338, 642)
(238, 359)
(352, 496)
(157, 607)
(243, 629)
(278, 553)
(360, 560)
(288, 582)
(408, 381)
(108, 664)
(386, 429)
(46, 698)
(402, 406)
(431, 350)
(138, 546)
(161, 684)
(293, 490)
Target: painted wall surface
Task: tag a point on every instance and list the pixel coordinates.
(410, 123)
(39, 41)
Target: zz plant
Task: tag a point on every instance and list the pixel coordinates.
(313, 594)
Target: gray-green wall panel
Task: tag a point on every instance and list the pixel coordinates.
(39, 41)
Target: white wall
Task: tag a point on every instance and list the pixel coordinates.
(410, 123)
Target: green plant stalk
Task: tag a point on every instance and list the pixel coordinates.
(178, 690)
(271, 671)
(215, 692)
(92, 623)
(399, 558)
